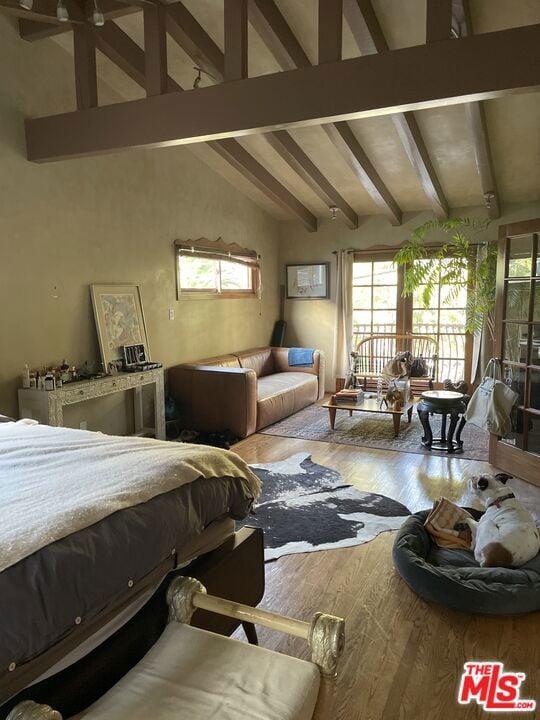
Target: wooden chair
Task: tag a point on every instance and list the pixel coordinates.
(374, 351)
(197, 674)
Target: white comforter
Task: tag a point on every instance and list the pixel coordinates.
(56, 481)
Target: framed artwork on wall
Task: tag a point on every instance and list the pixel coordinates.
(120, 321)
(308, 281)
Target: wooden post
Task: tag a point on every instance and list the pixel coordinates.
(155, 47)
(330, 30)
(236, 39)
(438, 20)
(84, 54)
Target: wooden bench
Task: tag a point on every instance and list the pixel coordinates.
(374, 351)
(197, 674)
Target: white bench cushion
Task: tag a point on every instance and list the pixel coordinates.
(198, 675)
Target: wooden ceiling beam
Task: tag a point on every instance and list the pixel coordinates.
(476, 119)
(345, 140)
(370, 39)
(128, 56)
(330, 30)
(236, 39)
(273, 29)
(434, 75)
(188, 33)
(124, 52)
(249, 167)
(438, 20)
(31, 30)
(155, 49)
(292, 153)
(201, 48)
(84, 56)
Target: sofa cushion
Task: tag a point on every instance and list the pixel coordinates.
(283, 394)
(258, 359)
(220, 361)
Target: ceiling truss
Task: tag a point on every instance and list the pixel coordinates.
(273, 29)
(369, 38)
(196, 43)
(328, 94)
(477, 123)
(115, 44)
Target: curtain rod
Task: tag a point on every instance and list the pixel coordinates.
(394, 248)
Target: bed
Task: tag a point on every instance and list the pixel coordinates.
(90, 525)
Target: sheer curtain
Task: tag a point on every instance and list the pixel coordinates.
(483, 348)
(343, 327)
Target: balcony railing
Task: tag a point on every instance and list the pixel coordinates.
(451, 347)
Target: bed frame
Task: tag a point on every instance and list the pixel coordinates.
(235, 571)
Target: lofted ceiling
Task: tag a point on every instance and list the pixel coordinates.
(512, 122)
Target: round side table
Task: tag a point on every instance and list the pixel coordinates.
(443, 402)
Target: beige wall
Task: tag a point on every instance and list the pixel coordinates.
(111, 219)
(311, 323)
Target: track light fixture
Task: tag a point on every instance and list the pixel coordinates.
(26, 4)
(333, 212)
(97, 16)
(198, 79)
(489, 197)
(62, 14)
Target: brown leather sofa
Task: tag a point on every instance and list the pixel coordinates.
(245, 391)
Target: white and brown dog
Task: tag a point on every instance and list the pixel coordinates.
(506, 534)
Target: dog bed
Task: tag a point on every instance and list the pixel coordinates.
(453, 577)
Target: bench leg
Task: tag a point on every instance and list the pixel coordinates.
(251, 633)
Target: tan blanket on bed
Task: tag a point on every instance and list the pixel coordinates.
(56, 481)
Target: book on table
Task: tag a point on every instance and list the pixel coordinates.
(349, 397)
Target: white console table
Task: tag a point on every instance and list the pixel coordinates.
(47, 406)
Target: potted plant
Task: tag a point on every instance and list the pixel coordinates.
(466, 259)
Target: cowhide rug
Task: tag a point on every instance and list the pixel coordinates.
(306, 507)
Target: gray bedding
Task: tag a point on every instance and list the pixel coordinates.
(71, 583)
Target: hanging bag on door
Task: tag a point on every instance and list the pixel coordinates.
(491, 403)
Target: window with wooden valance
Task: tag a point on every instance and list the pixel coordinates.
(214, 268)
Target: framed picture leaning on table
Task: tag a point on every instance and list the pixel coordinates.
(119, 320)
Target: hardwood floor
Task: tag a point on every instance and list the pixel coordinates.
(403, 657)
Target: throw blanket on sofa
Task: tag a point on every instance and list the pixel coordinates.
(301, 357)
(56, 481)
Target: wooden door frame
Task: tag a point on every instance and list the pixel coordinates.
(506, 457)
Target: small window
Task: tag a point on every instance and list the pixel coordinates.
(206, 273)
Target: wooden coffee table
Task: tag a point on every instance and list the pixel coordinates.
(370, 405)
